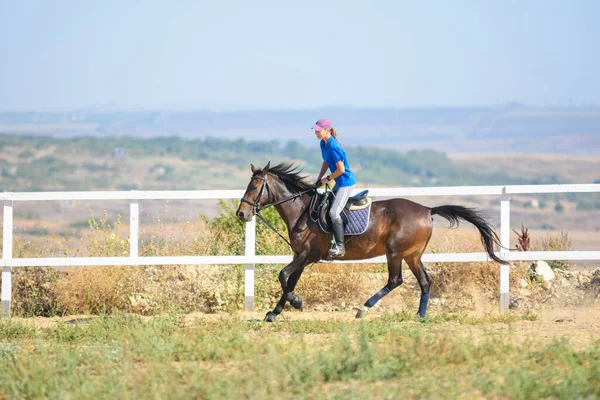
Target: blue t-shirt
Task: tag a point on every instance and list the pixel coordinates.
(332, 152)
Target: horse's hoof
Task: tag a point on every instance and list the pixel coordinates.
(270, 317)
(297, 303)
(362, 312)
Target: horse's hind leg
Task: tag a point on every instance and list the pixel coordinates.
(416, 266)
(394, 262)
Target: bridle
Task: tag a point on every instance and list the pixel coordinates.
(257, 209)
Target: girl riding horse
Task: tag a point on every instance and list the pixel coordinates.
(398, 228)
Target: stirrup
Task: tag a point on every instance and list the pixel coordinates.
(337, 250)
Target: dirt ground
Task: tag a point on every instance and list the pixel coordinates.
(581, 326)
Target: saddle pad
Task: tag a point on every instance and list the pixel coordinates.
(358, 221)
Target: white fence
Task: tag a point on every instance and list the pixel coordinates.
(249, 259)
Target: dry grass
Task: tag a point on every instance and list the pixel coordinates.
(341, 285)
(550, 242)
(95, 289)
(468, 284)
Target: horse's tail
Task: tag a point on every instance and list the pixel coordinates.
(488, 236)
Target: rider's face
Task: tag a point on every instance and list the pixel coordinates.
(322, 134)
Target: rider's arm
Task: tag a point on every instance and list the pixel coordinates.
(339, 170)
(323, 170)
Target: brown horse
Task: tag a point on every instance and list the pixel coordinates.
(398, 228)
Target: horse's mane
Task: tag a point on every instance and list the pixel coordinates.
(289, 173)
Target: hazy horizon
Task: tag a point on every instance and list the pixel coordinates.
(116, 108)
(63, 55)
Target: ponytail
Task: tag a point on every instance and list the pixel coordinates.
(334, 134)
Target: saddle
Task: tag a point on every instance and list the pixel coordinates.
(359, 202)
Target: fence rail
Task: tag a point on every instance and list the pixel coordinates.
(250, 259)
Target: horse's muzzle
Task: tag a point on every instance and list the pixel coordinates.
(246, 217)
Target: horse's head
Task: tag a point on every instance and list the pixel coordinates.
(256, 193)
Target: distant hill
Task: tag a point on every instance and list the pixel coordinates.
(38, 163)
(508, 129)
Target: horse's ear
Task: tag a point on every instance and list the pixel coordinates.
(252, 168)
(267, 167)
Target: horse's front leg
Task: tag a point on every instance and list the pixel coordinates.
(288, 277)
(295, 301)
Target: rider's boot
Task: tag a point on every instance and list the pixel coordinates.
(337, 246)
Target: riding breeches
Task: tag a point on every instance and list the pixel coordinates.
(341, 195)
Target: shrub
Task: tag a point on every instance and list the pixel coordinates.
(25, 154)
(470, 280)
(96, 289)
(32, 287)
(225, 231)
(340, 284)
(103, 239)
(524, 241)
(555, 243)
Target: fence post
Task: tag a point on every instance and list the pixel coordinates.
(134, 228)
(249, 250)
(505, 242)
(7, 250)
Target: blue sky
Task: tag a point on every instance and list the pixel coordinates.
(184, 55)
